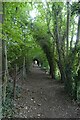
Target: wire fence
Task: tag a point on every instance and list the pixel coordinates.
(18, 76)
(10, 78)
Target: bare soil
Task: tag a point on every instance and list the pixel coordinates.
(43, 97)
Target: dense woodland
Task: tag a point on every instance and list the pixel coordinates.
(46, 31)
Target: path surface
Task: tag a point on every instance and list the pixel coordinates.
(42, 97)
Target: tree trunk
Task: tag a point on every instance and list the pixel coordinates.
(52, 71)
(60, 61)
(72, 38)
(4, 69)
(51, 63)
(77, 40)
(78, 33)
(14, 85)
(4, 63)
(24, 69)
(1, 62)
(68, 21)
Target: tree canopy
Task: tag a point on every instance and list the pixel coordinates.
(47, 31)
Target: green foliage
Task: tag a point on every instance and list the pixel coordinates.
(42, 37)
(75, 8)
(72, 68)
(8, 105)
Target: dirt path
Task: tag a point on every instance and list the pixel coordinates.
(42, 97)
